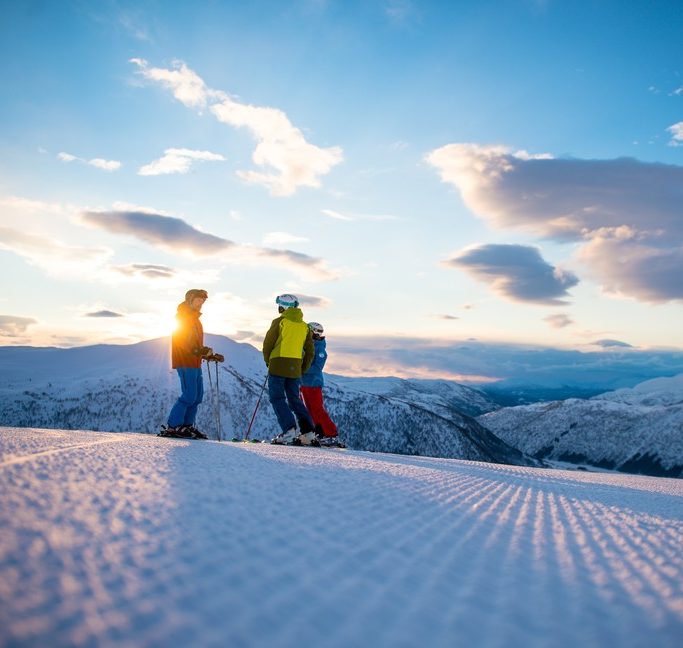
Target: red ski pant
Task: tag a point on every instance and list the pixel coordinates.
(313, 398)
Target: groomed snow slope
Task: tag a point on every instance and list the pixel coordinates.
(128, 539)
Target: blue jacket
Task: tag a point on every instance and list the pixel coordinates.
(314, 376)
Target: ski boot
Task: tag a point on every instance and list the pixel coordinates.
(196, 434)
(330, 442)
(306, 439)
(285, 438)
(177, 432)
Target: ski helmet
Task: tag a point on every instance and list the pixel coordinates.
(287, 301)
(316, 329)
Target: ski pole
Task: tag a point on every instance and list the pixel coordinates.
(258, 402)
(213, 397)
(218, 406)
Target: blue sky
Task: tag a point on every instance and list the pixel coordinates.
(420, 173)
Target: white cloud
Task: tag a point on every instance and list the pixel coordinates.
(55, 257)
(282, 238)
(99, 163)
(14, 326)
(106, 165)
(624, 214)
(178, 160)
(146, 271)
(186, 85)
(280, 145)
(30, 206)
(356, 217)
(336, 215)
(676, 131)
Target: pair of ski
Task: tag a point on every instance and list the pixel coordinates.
(325, 444)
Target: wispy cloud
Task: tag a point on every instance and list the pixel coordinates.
(280, 145)
(177, 236)
(57, 258)
(331, 213)
(401, 11)
(558, 320)
(99, 163)
(178, 160)
(609, 367)
(515, 272)
(103, 313)
(31, 206)
(282, 238)
(611, 344)
(13, 325)
(623, 213)
(312, 301)
(166, 231)
(146, 270)
(336, 215)
(133, 25)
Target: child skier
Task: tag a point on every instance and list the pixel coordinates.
(312, 389)
(187, 351)
(288, 341)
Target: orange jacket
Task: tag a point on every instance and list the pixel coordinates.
(188, 338)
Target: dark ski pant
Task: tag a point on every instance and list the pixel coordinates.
(184, 412)
(285, 399)
(313, 399)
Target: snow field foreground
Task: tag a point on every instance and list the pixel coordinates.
(132, 540)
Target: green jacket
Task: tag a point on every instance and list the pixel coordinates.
(288, 346)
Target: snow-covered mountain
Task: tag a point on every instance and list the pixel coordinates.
(131, 388)
(437, 395)
(633, 430)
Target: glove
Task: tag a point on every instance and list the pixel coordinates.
(214, 357)
(203, 351)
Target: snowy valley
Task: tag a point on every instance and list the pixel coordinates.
(632, 430)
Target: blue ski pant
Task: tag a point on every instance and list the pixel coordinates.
(184, 412)
(286, 401)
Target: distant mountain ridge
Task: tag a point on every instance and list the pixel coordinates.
(637, 429)
(131, 388)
